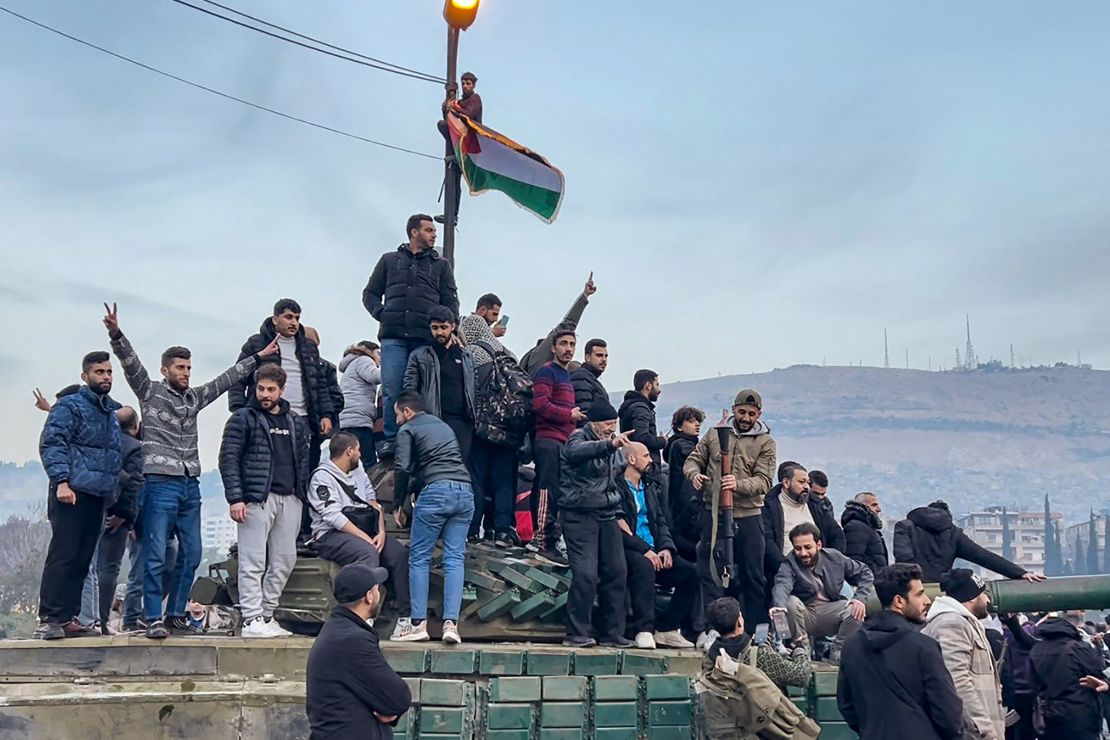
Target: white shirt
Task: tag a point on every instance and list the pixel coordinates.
(793, 514)
(294, 383)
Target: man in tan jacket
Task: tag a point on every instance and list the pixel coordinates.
(749, 478)
(953, 622)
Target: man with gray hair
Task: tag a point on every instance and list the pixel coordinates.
(863, 524)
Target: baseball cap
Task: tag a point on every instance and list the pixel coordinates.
(748, 397)
(354, 580)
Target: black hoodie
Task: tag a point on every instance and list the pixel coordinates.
(863, 539)
(637, 415)
(684, 501)
(893, 683)
(928, 537)
(1058, 661)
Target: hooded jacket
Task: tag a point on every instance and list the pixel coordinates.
(331, 491)
(833, 568)
(1057, 663)
(246, 453)
(359, 384)
(422, 375)
(637, 415)
(588, 471)
(863, 537)
(832, 536)
(317, 396)
(347, 680)
(684, 501)
(403, 289)
(967, 655)
(81, 444)
(753, 464)
(657, 520)
(587, 387)
(893, 684)
(929, 538)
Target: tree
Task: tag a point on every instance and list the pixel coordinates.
(1007, 538)
(1093, 567)
(1052, 564)
(23, 546)
(1105, 542)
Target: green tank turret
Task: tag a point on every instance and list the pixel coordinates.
(1055, 594)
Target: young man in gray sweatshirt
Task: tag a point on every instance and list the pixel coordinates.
(340, 483)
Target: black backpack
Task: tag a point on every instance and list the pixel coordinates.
(503, 400)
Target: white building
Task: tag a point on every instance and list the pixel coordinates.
(1026, 532)
(218, 532)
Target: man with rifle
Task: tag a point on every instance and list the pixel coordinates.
(734, 464)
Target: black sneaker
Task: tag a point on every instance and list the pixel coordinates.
(182, 626)
(618, 642)
(49, 631)
(579, 642)
(130, 627)
(473, 539)
(156, 630)
(508, 538)
(553, 555)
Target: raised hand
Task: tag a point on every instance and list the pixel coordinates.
(41, 402)
(590, 288)
(269, 349)
(111, 320)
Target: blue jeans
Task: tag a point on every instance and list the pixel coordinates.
(442, 508)
(395, 358)
(90, 592)
(133, 602)
(170, 501)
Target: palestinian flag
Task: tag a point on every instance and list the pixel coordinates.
(491, 161)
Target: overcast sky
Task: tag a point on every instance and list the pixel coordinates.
(753, 184)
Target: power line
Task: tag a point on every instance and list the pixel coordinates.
(241, 14)
(414, 75)
(149, 68)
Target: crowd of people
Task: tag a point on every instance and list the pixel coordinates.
(713, 523)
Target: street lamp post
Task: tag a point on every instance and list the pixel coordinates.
(459, 14)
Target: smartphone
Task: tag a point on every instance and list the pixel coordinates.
(503, 321)
(782, 626)
(761, 631)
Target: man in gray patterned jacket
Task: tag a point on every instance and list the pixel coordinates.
(171, 465)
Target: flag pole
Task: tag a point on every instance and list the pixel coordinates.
(451, 189)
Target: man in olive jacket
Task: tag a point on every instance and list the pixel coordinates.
(753, 465)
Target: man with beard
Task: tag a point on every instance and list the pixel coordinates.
(862, 522)
(171, 466)
(953, 622)
(80, 448)
(637, 414)
(587, 377)
(808, 590)
(443, 376)
(893, 684)
(928, 537)
(753, 463)
(788, 505)
(556, 418)
(351, 690)
(264, 468)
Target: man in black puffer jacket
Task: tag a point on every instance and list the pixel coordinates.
(587, 377)
(637, 414)
(863, 531)
(306, 391)
(928, 537)
(405, 285)
(264, 467)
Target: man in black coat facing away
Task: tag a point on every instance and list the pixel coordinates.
(1067, 673)
(863, 524)
(352, 693)
(893, 684)
(928, 537)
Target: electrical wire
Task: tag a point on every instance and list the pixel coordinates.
(241, 14)
(414, 75)
(149, 68)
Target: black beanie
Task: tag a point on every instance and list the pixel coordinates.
(962, 584)
(601, 410)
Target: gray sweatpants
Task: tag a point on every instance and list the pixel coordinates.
(267, 553)
(820, 620)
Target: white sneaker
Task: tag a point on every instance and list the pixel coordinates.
(402, 628)
(644, 641)
(451, 633)
(257, 627)
(414, 633)
(706, 640)
(277, 629)
(672, 639)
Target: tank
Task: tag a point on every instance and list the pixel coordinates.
(1055, 594)
(508, 595)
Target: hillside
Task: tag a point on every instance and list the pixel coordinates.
(973, 438)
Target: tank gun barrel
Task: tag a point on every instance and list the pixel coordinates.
(1054, 594)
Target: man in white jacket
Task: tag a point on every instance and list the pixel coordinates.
(953, 621)
(340, 490)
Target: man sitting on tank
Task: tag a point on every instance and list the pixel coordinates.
(347, 521)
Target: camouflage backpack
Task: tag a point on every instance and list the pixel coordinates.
(741, 701)
(503, 400)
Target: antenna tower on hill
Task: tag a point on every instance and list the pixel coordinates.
(970, 360)
(886, 351)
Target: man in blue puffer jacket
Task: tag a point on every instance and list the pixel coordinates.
(80, 451)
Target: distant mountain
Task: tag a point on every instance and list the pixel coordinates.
(977, 438)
